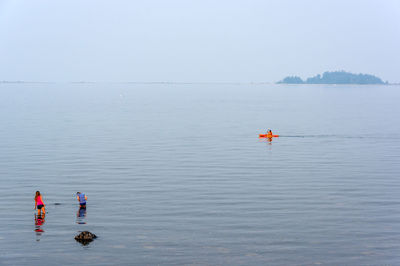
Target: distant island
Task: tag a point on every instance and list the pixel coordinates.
(335, 77)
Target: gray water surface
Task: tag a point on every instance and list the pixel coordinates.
(176, 174)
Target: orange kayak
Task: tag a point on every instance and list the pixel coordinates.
(268, 136)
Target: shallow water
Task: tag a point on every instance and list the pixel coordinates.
(176, 174)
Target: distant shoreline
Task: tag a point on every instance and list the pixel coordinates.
(186, 83)
(336, 77)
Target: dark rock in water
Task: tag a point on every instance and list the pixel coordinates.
(85, 237)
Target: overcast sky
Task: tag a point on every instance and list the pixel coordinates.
(196, 41)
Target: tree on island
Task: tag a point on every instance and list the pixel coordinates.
(335, 77)
(292, 80)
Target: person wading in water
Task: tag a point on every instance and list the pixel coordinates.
(39, 205)
(82, 199)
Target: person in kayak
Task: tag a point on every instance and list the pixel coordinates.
(269, 133)
(39, 205)
(82, 199)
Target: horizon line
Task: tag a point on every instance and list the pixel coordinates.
(173, 82)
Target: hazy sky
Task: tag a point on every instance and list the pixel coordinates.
(196, 41)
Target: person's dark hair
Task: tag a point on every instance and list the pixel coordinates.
(77, 193)
(37, 194)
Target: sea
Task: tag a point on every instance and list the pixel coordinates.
(176, 174)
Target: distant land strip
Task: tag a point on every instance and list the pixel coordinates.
(140, 82)
(335, 77)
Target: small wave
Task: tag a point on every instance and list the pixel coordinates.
(308, 136)
(338, 136)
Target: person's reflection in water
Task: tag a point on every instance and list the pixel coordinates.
(39, 222)
(80, 215)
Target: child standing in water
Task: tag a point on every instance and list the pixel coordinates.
(82, 199)
(39, 205)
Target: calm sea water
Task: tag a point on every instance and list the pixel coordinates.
(176, 174)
